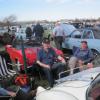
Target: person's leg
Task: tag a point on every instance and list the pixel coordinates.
(21, 95)
(25, 96)
(49, 76)
(60, 40)
(34, 68)
(57, 68)
(56, 40)
(72, 64)
(81, 65)
(40, 38)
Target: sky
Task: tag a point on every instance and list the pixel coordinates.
(28, 10)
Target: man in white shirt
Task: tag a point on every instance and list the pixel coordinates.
(58, 34)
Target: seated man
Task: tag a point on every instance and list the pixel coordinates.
(5, 92)
(7, 83)
(46, 58)
(81, 56)
(20, 95)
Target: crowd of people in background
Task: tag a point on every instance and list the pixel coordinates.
(36, 32)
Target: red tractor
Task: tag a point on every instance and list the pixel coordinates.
(16, 55)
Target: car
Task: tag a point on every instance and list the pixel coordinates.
(21, 33)
(68, 28)
(31, 48)
(83, 85)
(91, 35)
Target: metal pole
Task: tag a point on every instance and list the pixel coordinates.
(24, 56)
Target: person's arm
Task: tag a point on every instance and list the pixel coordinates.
(58, 57)
(76, 50)
(5, 92)
(90, 57)
(54, 32)
(42, 30)
(12, 94)
(61, 59)
(39, 57)
(43, 65)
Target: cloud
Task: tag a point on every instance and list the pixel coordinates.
(89, 0)
(57, 1)
(81, 2)
(86, 1)
(64, 1)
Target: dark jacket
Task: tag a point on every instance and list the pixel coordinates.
(38, 31)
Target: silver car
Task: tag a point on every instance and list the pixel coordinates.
(84, 85)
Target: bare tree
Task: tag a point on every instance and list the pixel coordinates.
(9, 20)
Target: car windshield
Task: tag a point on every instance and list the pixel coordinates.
(76, 34)
(68, 29)
(96, 34)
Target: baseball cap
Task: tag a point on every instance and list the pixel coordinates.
(84, 41)
(46, 40)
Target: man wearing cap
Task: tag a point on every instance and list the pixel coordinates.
(38, 32)
(81, 56)
(46, 58)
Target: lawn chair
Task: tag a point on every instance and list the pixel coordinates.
(6, 74)
(4, 70)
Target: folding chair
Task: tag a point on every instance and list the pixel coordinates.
(4, 70)
(6, 74)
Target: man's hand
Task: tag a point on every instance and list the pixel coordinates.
(43, 65)
(47, 66)
(90, 65)
(12, 94)
(62, 59)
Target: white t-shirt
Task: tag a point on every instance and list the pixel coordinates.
(58, 31)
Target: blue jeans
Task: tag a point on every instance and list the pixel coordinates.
(3, 91)
(56, 68)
